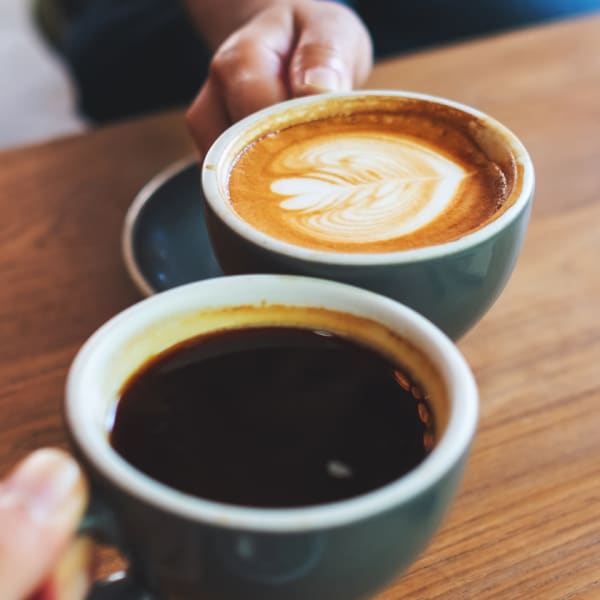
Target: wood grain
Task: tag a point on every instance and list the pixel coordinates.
(526, 524)
(62, 275)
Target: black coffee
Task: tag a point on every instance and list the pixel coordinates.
(272, 417)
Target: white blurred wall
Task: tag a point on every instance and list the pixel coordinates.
(37, 100)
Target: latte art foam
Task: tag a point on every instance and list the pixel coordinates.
(370, 181)
(356, 188)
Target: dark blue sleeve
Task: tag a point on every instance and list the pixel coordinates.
(402, 25)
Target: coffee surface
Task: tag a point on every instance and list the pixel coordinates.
(273, 417)
(374, 181)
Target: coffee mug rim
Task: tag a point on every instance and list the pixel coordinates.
(218, 152)
(450, 449)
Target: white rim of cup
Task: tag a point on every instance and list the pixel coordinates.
(218, 154)
(90, 436)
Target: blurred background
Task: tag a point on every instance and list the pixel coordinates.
(37, 96)
(66, 65)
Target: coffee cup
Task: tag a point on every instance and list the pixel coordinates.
(181, 545)
(419, 198)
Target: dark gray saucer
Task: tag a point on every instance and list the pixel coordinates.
(165, 242)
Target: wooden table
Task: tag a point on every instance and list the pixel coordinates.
(527, 521)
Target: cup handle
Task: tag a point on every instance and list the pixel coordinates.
(99, 524)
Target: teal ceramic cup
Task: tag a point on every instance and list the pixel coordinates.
(181, 546)
(453, 283)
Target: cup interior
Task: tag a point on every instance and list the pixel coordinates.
(497, 142)
(129, 340)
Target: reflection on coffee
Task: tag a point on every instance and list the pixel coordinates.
(273, 417)
(403, 176)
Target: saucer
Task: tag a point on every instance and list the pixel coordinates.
(165, 242)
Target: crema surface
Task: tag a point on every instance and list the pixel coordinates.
(368, 182)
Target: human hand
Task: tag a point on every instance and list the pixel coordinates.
(286, 49)
(41, 503)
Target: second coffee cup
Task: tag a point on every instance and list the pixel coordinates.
(268, 437)
(418, 198)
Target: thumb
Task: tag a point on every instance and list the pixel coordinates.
(333, 52)
(41, 503)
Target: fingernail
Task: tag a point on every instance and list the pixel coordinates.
(48, 484)
(322, 79)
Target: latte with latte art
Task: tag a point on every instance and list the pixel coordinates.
(371, 181)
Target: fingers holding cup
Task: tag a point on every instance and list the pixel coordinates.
(41, 503)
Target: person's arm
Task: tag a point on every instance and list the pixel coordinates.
(271, 50)
(215, 20)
